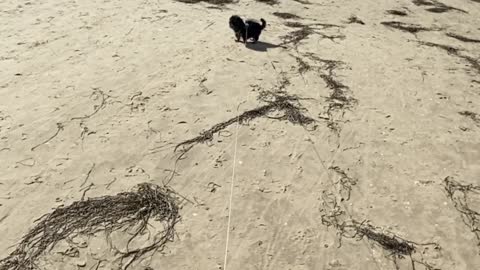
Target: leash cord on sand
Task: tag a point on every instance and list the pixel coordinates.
(233, 178)
(246, 34)
(232, 183)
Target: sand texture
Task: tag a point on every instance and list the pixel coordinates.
(348, 137)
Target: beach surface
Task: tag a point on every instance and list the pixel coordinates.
(365, 154)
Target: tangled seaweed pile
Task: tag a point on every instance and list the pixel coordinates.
(296, 36)
(124, 211)
(458, 194)
(334, 214)
(213, 2)
(345, 183)
(359, 230)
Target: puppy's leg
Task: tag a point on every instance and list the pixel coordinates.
(245, 38)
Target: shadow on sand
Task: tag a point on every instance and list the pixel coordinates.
(261, 46)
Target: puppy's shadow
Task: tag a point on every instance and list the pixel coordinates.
(261, 46)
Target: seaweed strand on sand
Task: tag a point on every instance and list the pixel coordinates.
(334, 215)
(474, 63)
(212, 2)
(286, 15)
(474, 116)
(397, 12)
(294, 37)
(340, 98)
(458, 193)
(406, 27)
(462, 38)
(278, 101)
(305, 30)
(396, 246)
(436, 6)
(345, 182)
(268, 2)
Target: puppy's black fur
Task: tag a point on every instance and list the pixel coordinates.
(250, 29)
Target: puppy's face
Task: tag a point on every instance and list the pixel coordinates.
(236, 23)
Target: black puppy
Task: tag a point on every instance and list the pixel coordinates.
(248, 29)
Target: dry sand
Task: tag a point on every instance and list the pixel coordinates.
(121, 82)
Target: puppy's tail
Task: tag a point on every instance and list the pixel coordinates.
(264, 23)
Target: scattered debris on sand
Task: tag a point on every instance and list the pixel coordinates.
(436, 6)
(474, 63)
(127, 211)
(268, 2)
(355, 19)
(278, 101)
(462, 38)
(407, 27)
(286, 15)
(212, 2)
(397, 12)
(459, 194)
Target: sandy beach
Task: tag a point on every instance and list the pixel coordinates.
(348, 137)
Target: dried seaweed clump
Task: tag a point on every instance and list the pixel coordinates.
(458, 194)
(294, 24)
(334, 216)
(448, 49)
(390, 242)
(268, 2)
(355, 19)
(341, 97)
(345, 183)
(462, 38)
(278, 101)
(296, 36)
(397, 12)
(305, 30)
(286, 15)
(474, 63)
(436, 6)
(213, 2)
(407, 27)
(303, 66)
(127, 211)
(474, 116)
(396, 246)
(422, 3)
(308, 3)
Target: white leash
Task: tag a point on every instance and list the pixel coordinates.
(232, 182)
(232, 185)
(246, 34)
